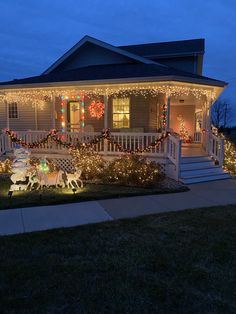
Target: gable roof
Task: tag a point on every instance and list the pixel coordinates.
(126, 72)
(88, 39)
(165, 49)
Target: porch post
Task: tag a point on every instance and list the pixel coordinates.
(105, 121)
(105, 111)
(36, 116)
(53, 112)
(7, 114)
(168, 114)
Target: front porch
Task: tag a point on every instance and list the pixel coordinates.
(164, 122)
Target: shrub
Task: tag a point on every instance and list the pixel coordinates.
(89, 161)
(5, 166)
(133, 170)
(230, 156)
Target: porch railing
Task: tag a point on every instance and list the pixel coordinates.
(197, 137)
(129, 141)
(216, 147)
(174, 154)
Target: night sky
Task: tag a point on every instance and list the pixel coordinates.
(35, 33)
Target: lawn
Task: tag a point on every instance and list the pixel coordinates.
(59, 196)
(179, 262)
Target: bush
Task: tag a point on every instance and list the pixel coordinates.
(5, 166)
(89, 161)
(230, 156)
(133, 170)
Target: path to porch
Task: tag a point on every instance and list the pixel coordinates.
(30, 219)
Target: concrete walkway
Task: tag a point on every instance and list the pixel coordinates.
(13, 221)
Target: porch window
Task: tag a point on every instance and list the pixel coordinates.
(13, 110)
(121, 113)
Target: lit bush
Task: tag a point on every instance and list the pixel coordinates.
(230, 156)
(89, 161)
(133, 170)
(5, 166)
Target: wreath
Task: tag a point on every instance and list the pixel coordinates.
(96, 109)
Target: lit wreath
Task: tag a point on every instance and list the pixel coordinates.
(96, 109)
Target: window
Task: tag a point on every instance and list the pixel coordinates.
(13, 112)
(121, 113)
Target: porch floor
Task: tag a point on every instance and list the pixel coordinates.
(192, 150)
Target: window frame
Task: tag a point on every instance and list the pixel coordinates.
(11, 111)
(120, 113)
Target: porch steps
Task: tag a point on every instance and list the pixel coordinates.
(200, 169)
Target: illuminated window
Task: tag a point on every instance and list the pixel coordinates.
(13, 111)
(121, 113)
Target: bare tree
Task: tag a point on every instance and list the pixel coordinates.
(221, 113)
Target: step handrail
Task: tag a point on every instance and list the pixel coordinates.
(174, 153)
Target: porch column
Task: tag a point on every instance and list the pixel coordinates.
(36, 116)
(105, 122)
(53, 112)
(7, 114)
(168, 114)
(105, 111)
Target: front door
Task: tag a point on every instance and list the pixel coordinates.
(74, 116)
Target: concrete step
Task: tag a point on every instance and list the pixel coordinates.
(201, 171)
(197, 165)
(204, 178)
(193, 159)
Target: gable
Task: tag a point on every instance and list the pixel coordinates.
(90, 54)
(91, 51)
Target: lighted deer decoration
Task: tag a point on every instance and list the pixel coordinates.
(74, 178)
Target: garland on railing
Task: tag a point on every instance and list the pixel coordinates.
(105, 134)
(35, 144)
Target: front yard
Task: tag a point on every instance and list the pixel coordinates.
(179, 262)
(90, 192)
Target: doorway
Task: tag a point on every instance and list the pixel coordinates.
(74, 116)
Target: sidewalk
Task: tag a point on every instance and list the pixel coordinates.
(13, 221)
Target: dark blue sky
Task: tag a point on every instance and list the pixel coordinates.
(35, 33)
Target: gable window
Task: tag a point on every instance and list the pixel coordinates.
(121, 113)
(13, 110)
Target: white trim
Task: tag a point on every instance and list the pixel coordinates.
(152, 79)
(100, 43)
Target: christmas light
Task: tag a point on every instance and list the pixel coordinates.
(183, 132)
(96, 109)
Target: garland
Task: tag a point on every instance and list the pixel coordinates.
(20, 141)
(105, 134)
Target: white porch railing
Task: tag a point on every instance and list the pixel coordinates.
(216, 147)
(129, 141)
(197, 137)
(174, 154)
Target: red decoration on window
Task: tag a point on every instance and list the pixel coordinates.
(96, 109)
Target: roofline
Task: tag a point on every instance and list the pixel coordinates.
(120, 80)
(162, 42)
(101, 44)
(184, 54)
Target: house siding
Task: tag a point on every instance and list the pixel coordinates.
(187, 63)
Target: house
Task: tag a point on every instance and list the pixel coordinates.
(139, 92)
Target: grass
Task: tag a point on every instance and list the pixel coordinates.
(179, 262)
(59, 196)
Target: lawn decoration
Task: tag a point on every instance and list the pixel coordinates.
(51, 179)
(20, 166)
(74, 178)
